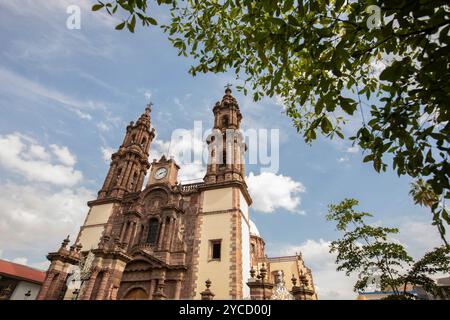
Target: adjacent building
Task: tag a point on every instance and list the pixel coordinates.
(19, 282)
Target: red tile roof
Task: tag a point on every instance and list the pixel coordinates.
(21, 272)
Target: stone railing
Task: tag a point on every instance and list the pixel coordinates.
(191, 187)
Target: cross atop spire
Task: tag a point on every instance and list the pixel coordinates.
(148, 109)
(228, 86)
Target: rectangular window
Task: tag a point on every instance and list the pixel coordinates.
(215, 249)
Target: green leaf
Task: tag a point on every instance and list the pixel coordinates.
(152, 21)
(132, 24)
(97, 6)
(326, 125)
(368, 158)
(120, 26)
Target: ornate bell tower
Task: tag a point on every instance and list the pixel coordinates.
(226, 144)
(126, 175)
(130, 163)
(223, 229)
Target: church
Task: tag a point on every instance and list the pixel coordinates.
(169, 240)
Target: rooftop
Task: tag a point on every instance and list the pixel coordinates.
(22, 272)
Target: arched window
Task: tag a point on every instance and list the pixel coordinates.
(133, 138)
(133, 181)
(153, 228)
(144, 141)
(116, 177)
(224, 121)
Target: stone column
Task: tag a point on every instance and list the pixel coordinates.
(126, 177)
(161, 235)
(172, 231)
(177, 289)
(159, 294)
(102, 288)
(123, 231)
(109, 177)
(90, 285)
(128, 233)
(152, 288)
(46, 285)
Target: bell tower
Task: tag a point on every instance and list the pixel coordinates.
(126, 175)
(129, 164)
(226, 144)
(223, 229)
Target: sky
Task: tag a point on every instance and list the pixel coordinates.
(66, 96)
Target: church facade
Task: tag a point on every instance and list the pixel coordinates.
(169, 240)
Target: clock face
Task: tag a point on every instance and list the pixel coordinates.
(160, 173)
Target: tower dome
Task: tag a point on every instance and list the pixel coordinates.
(253, 229)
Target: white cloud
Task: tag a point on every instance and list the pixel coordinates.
(270, 192)
(353, 149)
(102, 126)
(63, 154)
(38, 152)
(147, 94)
(106, 153)
(343, 159)
(18, 155)
(185, 151)
(418, 237)
(37, 217)
(20, 260)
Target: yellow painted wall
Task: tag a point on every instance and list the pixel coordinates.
(99, 214)
(289, 268)
(90, 236)
(93, 228)
(214, 227)
(219, 199)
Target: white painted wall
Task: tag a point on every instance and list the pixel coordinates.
(22, 288)
(245, 232)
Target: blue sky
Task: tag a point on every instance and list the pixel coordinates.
(67, 95)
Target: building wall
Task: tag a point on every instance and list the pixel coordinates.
(215, 225)
(93, 227)
(22, 288)
(218, 199)
(245, 233)
(217, 271)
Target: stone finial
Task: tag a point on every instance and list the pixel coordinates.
(293, 280)
(303, 280)
(252, 272)
(207, 293)
(263, 272)
(64, 244)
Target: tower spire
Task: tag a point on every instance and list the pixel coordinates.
(226, 144)
(129, 164)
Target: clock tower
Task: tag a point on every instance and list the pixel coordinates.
(164, 171)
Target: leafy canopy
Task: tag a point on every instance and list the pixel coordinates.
(369, 251)
(329, 60)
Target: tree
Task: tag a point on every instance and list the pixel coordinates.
(365, 248)
(326, 59)
(424, 195)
